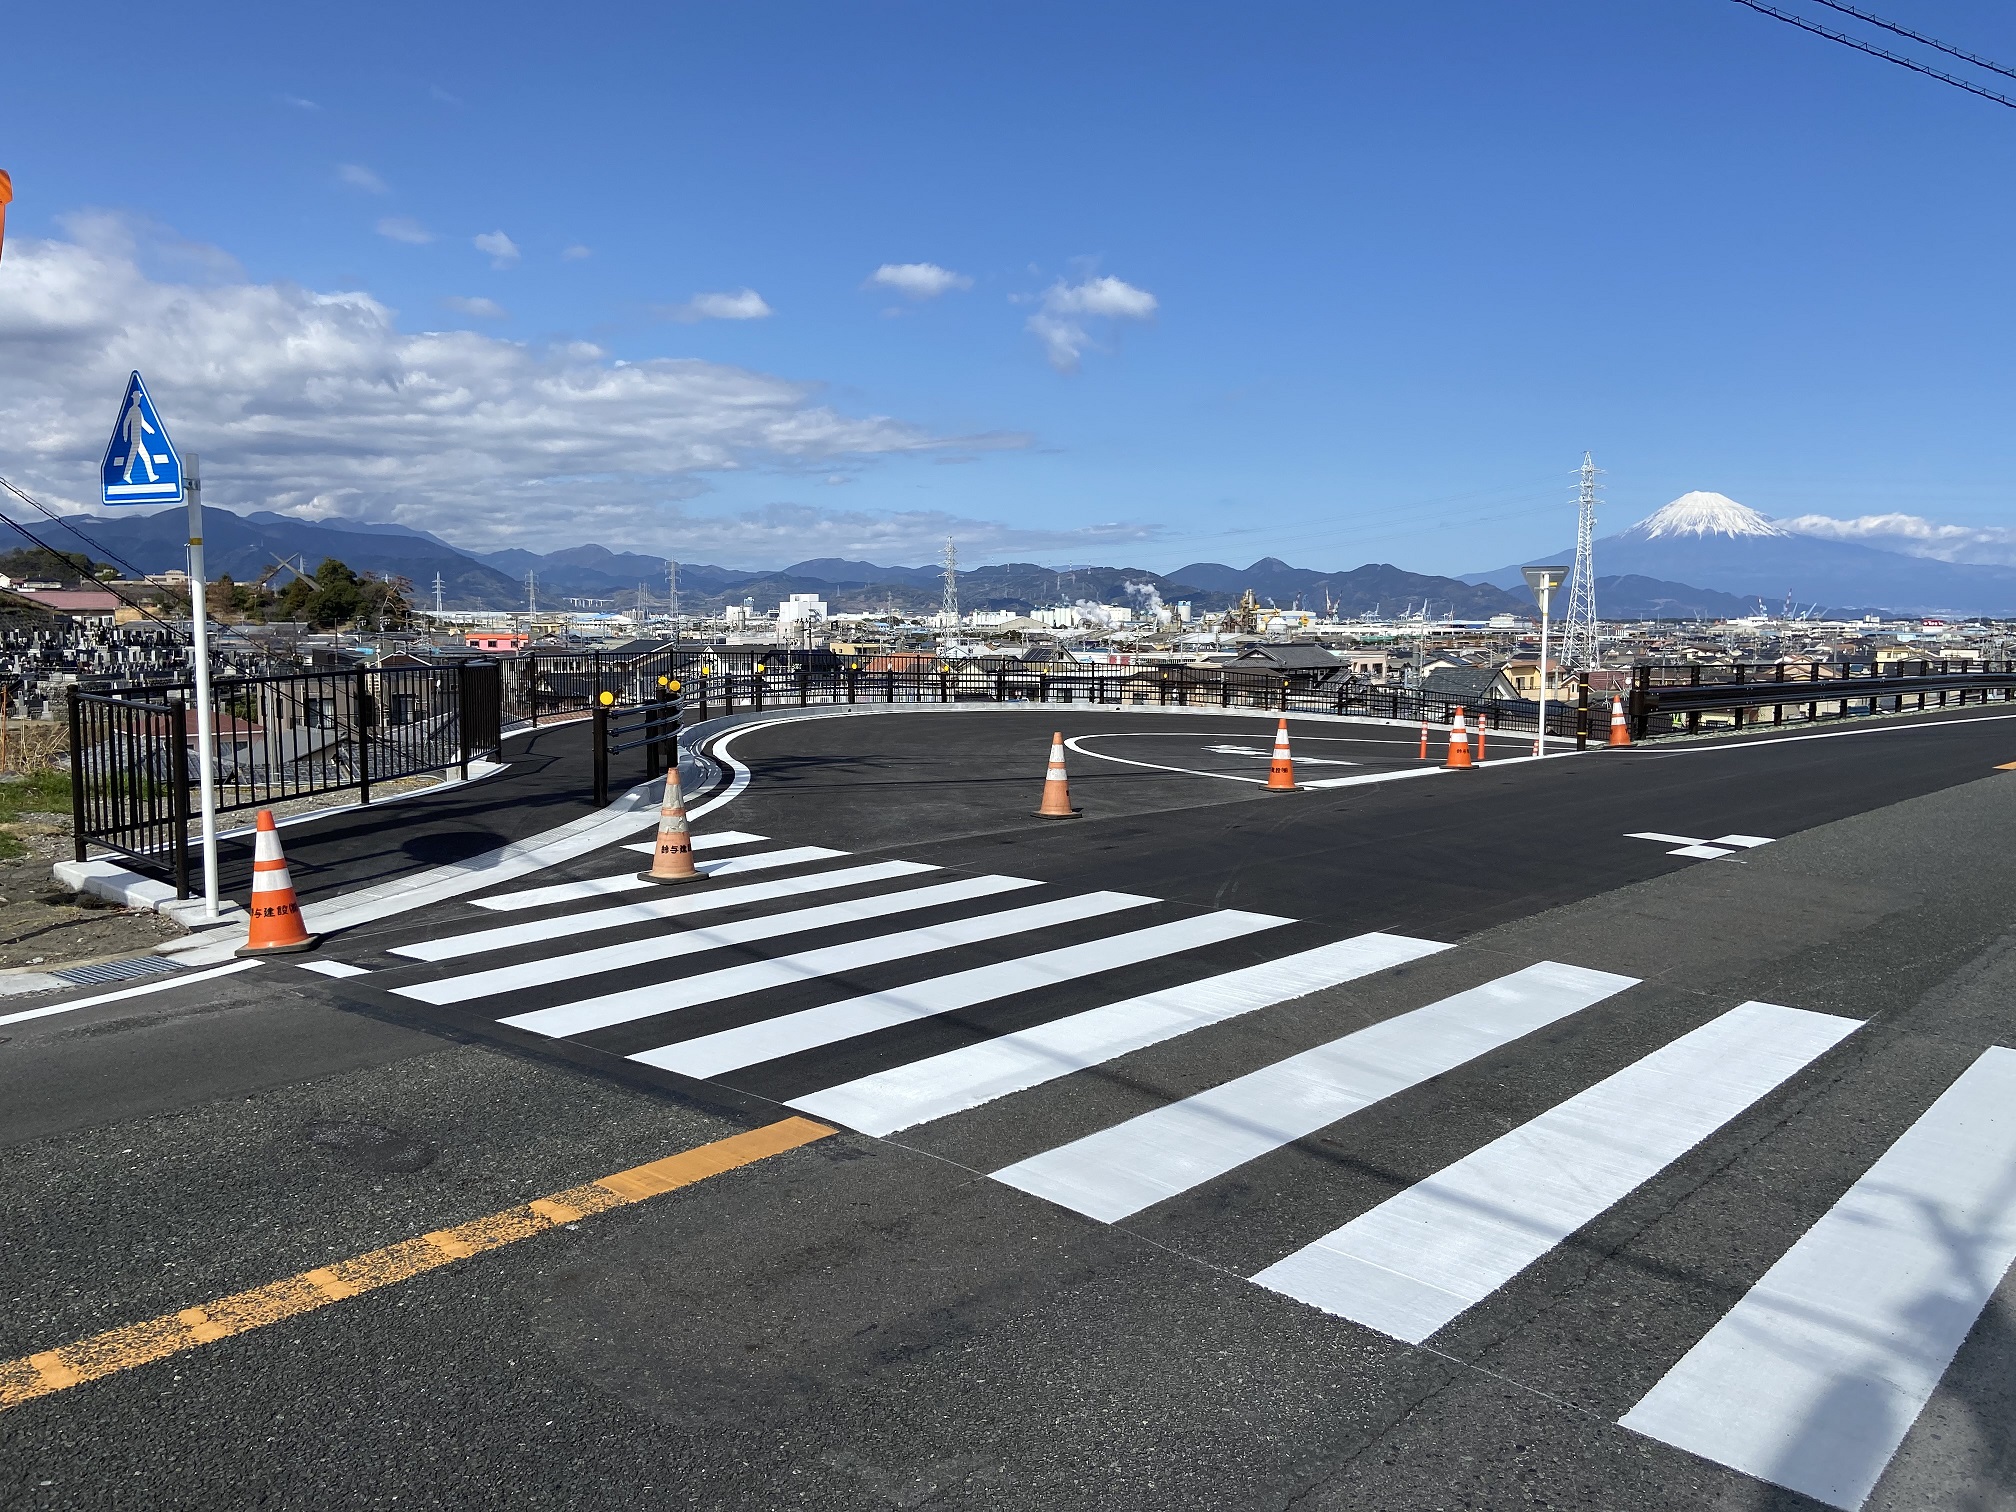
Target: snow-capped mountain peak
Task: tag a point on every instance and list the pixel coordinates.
(1705, 514)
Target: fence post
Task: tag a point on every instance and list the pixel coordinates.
(462, 719)
(599, 721)
(363, 722)
(1582, 713)
(178, 776)
(76, 773)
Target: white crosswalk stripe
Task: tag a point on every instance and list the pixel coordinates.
(564, 968)
(1813, 1379)
(1420, 1259)
(1120, 1170)
(810, 965)
(535, 898)
(1810, 1381)
(712, 1054)
(941, 1085)
(686, 900)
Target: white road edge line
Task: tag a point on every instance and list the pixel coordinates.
(126, 992)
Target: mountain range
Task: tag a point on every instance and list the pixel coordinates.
(1710, 539)
(1703, 556)
(247, 546)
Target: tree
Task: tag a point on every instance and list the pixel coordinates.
(336, 598)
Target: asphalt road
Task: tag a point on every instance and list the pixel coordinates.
(878, 1321)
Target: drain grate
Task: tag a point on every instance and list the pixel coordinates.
(116, 971)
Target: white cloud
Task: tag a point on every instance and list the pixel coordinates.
(503, 251)
(747, 305)
(1060, 323)
(919, 280)
(1913, 535)
(575, 253)
(320, 404)
(403, 228)
(357, 176)
(297, 102)
(778, 534)
(478, 307)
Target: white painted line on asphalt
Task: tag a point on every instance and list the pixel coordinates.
(126, 992)
(1665, 839)
(752, 1044)
(1422, 1258)
(960, 1079)
(1748, 842)
(1327, 782)
(1701, 852)
(1813, 1379)
(599, 887)
(1119, 1171)
(668, 905)
(566, 968)
(333, 968)
(810, 965)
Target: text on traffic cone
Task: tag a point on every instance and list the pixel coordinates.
(1281, 770)
(672, 857)
(1459, 743)
(275, 911)
(1056, 791)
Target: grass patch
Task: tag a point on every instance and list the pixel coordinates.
(46, 792)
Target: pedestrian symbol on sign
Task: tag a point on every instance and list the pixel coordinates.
(141, 465)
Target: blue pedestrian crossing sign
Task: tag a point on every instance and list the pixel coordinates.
(141, 464)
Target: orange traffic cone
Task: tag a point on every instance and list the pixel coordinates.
(1620, 731)
(1459, 743)
(1056, 790)
(276, 914)
(672, 861)
(1281, 770)
(1481, 722)
(1424, 737)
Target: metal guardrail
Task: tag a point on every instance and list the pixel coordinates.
(276, 738)
(1669, 700)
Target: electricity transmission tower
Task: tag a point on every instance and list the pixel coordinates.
(437, 593)
(1579, 649)
(949, 611)
(672, 589)
(531, 593)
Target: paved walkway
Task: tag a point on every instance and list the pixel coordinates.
(547, 783)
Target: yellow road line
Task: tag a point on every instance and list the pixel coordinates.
(38, 1375)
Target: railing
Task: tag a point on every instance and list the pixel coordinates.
(1673, 700)
(707, 693)
(132, 756)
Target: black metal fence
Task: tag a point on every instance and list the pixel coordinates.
(1682, 700)
(133, 757)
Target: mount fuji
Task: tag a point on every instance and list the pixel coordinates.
(1711, 541)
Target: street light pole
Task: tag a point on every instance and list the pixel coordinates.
(1543, 581)
(206, 743)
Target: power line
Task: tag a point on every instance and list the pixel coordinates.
(43, 545)
(1932, 42)
(1876, 52)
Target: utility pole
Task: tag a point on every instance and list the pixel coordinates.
(1580, 650)
(948, 611)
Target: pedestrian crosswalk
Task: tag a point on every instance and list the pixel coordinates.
(904, 999)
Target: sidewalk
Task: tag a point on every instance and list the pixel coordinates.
(548, 782)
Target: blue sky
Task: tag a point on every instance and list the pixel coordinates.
(1345, 283)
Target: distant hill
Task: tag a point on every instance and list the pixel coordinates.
(1711, 540)
(1629, 596)
(1377, 587)
(244, 547)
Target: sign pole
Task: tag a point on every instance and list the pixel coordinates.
(206, 743)
(1540, 745)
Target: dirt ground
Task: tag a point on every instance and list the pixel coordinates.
(44, 925)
